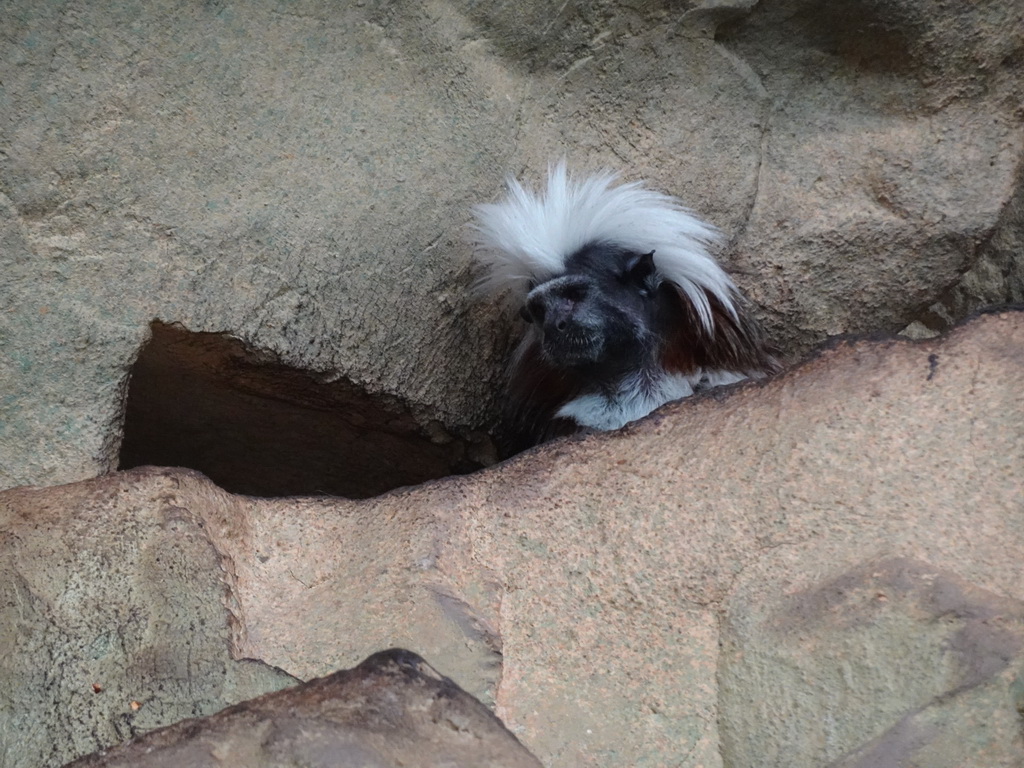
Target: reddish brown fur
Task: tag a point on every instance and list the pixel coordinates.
(735, 345)
(536, 391)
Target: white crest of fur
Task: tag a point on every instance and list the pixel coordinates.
(528, 236)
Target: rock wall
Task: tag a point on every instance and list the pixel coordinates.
(297, 176)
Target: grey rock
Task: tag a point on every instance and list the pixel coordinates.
(298, 178)
(295, 176)
(880, 182)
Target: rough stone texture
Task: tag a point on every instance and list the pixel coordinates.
(882, 178)
(822, 569)
(295, 174)
(103, 602)
(996, 277)
(929, 658)
(391, 710)
(298, 174)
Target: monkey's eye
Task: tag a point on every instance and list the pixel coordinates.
(575, 293)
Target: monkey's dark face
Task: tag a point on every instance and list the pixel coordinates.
(601, 313)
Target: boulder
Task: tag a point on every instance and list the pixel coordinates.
(391, 710)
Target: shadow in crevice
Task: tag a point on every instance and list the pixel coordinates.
(257, 427)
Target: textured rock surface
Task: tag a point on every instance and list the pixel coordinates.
(391, 710)
(297, 175)
(106, 602)
(892, 146)
(822, 569)
(933, 660)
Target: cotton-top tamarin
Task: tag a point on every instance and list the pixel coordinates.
(627, 309)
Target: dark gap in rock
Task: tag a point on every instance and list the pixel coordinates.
(254, 426)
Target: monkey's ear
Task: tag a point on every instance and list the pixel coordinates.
(640, 273)
(640, 266)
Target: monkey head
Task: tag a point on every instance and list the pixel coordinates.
(600, 315)
(626, 308)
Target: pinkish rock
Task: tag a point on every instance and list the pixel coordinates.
(823, 568)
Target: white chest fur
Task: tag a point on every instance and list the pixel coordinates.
(634, 399)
